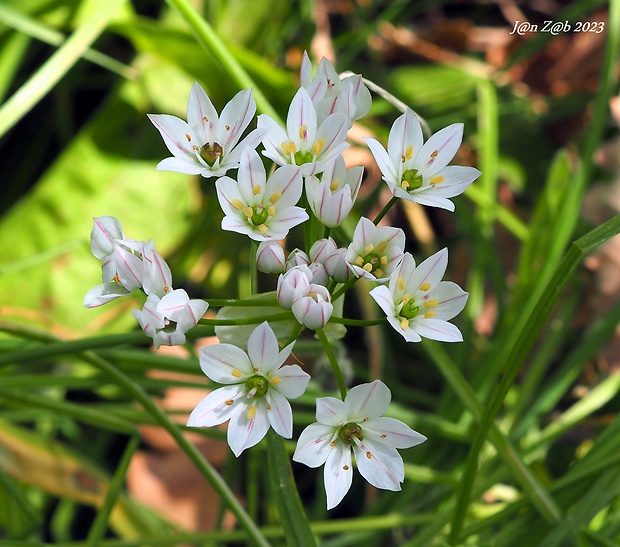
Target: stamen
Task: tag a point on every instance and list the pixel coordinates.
(409, 152)
(251, 412)
(227, 127)
(205, 119)
(404, 185)
(166, 289)
(271, 211)
(334, 185)
(286, 148)
(434, 154)
(252, 392)
(237, 204)
(436, 180)
(401, 283)
(268, 406)
(431, 303)
(116, 278)
(318, 146)
(262, 228)
(333, 444)
(382, 246)
(378, 272)
(425, 286)
(276, 380)
(383, 435)
(369, 455)
(188, 137)
(229, 402)
(256, 189)
(369, 249)
(402, 158)
(384, 260)
(303, 132)
(430, 314)
(367, 268)
(404, 324)
(275, 197)
(249, 212)
(255, 369)
(406, 298)
(196, 147)
(345, 467)
(358, 261)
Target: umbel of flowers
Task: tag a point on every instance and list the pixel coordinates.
(310, 185)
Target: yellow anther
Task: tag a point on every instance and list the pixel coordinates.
(196, 147)
(166, 289)
(404, 185)
(249, 212)
(255, 369)
(378, 273)
(334, 185)
(236, 373)
(403, 159)
(303, 132)
(268, 406)
(409, 152)
(369, 455)
(358, 261)
(384, 260)
(430, 314)
(436, 180)
(227, 127)
(237, 204)
(262, 228)
(404, 324)
(251, 412)
(256, 189)
(276, 380)
(318, 146)
(275, 197)
(286, 148)
(345, 467)
(333, 444)
(401, 283)
(431, 303)
(369, 248)
(434, 154)
(383, 435)
(188, 137)
(116, 278)
(382, 246)
(229, 402)
(365, 419)
(271, 211)
(367, 268)
(406, 298)
(425, 286)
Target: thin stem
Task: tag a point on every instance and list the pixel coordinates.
(357, 322)
(351, 281)
(241, 302)
(245, 320)
(385, 209)
(333, 361)
(253, 270)
(294, 334)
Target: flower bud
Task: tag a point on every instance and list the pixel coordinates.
(319, 274)
(336, 266)
(322, 249)
(292, 285)
(270, 257)
(105, 231)
(314, 308)
(296, 258)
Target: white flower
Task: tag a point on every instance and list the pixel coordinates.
(313, 308)
(305, 142)
(262, 209)
(418, 304)
(293, 284)
(327, 253)
(332, 94)
(270, 257)
(207, 145)
(356, 424)
(157, 278)
(375, 250)
(332, 197)
(417, 171)
(256, 392)
(166, 320)
(105, 231)
(296, 257)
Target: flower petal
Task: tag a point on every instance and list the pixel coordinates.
(301, 120)
(236, 116)
(174, 131)
(392, 432)
(439, 150)
(331, 411)
(380, 465)
(180, 165)
(405, 132)
(313, 446)
(429, 272)
(437, 329)
(217, 407)
(225, 363)
(247, 428)
(338, 474)
(263, 348)
(201, 114)
(280, 414)
(105, 231)
(452, 300)
(367, 401)
(292, 380)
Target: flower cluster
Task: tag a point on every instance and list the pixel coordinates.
(309, 183)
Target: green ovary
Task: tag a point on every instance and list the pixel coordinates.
(210, 153)
(259, 383)
(411, 180)
(349, 432)
(303, 157)
(409, 310)
(260, 215)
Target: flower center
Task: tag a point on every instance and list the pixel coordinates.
(210, 153)
(411, 180)
(349, 432)
(256, 386)
(409, 310)
(373, 259)
(303, 157)
(260, 215)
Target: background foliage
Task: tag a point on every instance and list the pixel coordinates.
(524, 437)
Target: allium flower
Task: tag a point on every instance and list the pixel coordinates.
(305, 142)
(207, 145)
(417, 171)
(262, 209)
(270, 257)
(418, 304)
(356, 424)
(332, 94)
(157, 278)
(375, 250)
(256, 392)
(293, 284)
(166, 320)
(296, 257)
(332, 197)
(313, 308)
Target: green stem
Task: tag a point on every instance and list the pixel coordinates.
(351, 281)
(357, 322)
(333, 361)
(385, 209)
(246, 321)
(241, 302)
(283, 489)
(253, 271)
(294, 334)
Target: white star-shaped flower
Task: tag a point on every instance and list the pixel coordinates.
(356, 424)
(257, 389)
(418, 304)
(419, 172)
